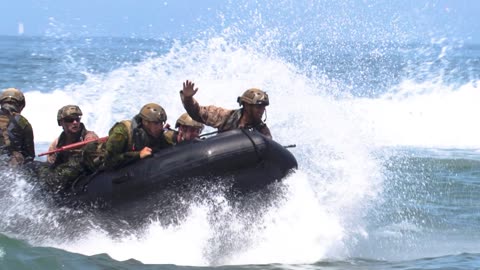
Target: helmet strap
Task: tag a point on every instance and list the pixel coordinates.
(265, 120)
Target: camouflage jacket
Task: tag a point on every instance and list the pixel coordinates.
(16, 138)
(64, 156)
(127, 138)
(217, 117)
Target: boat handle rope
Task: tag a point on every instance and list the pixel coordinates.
(207, 134)
(253, 143)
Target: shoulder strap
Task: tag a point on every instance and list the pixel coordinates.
(128, 124)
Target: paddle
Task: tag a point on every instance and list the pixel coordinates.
(74, 146)
(80, 144)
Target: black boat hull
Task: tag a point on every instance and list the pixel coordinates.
(247, 160)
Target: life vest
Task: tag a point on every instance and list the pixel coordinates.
(65, 156)
(138, 137)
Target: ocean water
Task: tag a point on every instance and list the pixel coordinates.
(386, 133)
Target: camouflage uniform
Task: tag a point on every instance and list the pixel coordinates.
(127, 138)
(16, 138)
(66, 166)
(217, 117)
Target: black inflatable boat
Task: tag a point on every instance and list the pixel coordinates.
(247, 159)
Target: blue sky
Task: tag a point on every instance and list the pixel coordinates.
(102, 17)
(152, 18)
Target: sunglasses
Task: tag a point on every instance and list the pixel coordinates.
(71, 120)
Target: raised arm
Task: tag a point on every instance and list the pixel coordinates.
(189, 103)
(209, 115)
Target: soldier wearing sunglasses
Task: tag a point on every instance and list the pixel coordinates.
(66, 166)
(69, 118)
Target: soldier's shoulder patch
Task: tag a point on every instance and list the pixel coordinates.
(22, 121)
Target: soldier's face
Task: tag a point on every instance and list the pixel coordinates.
(155, 129)
(71, 125)
(255, 112)
(189, 133)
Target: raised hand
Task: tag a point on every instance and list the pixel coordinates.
(188, 89)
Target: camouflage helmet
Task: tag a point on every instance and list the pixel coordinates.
(153, 112)
(254, 96)
(186, 120)
(68, 110)
(14, 94)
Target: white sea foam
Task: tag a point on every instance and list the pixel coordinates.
(426, 114)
